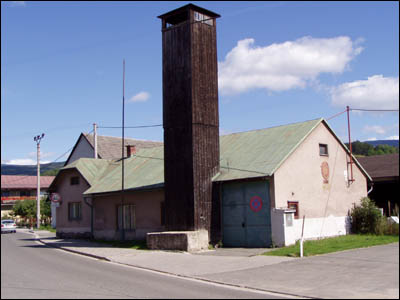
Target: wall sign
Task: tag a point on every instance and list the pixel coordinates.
(55, 197)
(255, 203)
(325, 171)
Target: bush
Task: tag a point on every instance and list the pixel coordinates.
(366, 218)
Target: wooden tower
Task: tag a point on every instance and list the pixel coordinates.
(190, 116)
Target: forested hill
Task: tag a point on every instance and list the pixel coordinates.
(45, 169)
(394, 143)
(367, 149)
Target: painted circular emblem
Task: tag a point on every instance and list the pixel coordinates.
(255, 203)
(55, 197)
(325, 171)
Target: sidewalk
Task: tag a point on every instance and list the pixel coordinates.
(361, 273)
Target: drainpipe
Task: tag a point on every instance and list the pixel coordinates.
(91, 213)
(372, 187)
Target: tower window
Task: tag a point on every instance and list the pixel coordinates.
(198, 17)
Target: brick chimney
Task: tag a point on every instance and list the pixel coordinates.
(130, 150)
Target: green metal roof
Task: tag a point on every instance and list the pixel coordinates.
(257, 153)
(91, 169)
(145, 169)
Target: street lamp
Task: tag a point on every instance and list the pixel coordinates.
(37, 139)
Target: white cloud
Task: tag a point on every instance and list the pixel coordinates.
(23, 161)
(393, 137)
(372, 139)
(17, 3)
(377, 92)
(279, 67)
(140, 97)
(375, 128)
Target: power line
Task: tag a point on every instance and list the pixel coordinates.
(143, 126)
(361, 109)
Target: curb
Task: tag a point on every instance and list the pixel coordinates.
(169, 273)
(70, 250)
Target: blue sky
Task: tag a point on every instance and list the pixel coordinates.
(279, 63)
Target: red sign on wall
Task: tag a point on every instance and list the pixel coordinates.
(256, 203)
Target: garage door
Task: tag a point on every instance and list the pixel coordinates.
(246, 218)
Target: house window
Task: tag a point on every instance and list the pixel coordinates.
(24, 193)
(162, 204)
(323, 149)
(128, 213)
(294, 205)
(75, 180)
(74, 211)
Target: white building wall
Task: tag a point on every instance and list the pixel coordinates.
(82, 149)
(325, 204)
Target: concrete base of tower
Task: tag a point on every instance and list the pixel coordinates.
(190, 241)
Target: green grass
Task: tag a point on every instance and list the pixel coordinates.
(329, 245)
(134, 244)
(46, 227)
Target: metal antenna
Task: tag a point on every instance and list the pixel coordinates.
(123, 158)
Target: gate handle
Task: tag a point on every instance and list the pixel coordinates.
(243, 224)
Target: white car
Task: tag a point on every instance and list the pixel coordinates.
(8, 226)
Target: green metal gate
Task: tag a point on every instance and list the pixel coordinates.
(246, 219)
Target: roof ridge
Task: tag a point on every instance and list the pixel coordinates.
(319, 119)
(117, 137)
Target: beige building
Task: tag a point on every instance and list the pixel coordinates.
(268, 180)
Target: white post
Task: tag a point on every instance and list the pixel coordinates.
(302, 237)
(95, 139)
(38, 187)
(37, 139)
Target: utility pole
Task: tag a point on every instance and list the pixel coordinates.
(95, 139)
(37, 139)
(351, 152)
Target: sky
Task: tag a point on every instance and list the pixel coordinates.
(278, 63)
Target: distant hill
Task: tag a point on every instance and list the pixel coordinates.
(28, 169)
(394, 143)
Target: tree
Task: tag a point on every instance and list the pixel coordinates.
(26, 209)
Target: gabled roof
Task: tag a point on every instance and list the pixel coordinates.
(259, 153)
(379, 166)
(91, 169)
(251, 154)
(109, 147)
(25, 181)
(143, 170)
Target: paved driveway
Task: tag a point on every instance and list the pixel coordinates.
(362, 273)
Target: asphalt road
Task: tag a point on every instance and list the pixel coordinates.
(31, 270)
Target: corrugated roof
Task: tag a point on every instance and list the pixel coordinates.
(379, 166)
(109, 147)
(91, 169)
(257, 153)
(145, 169)
(260, 152)
(24, 181)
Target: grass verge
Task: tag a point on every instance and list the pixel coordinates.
(329, 245)
(46, 227)
(134, 244)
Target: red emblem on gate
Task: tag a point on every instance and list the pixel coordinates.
(255, 203)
